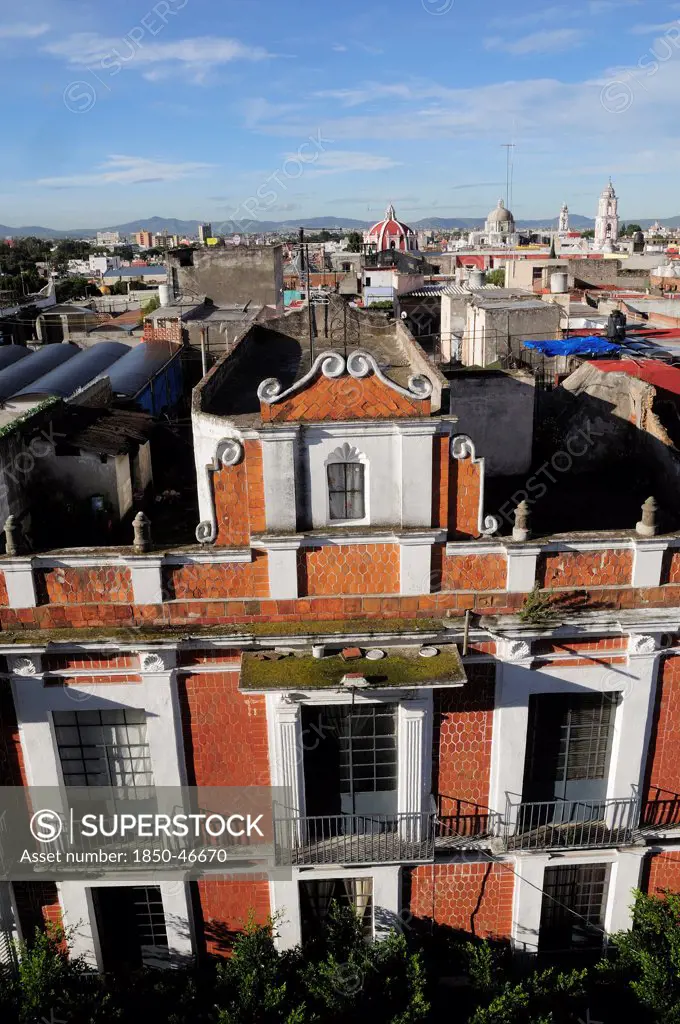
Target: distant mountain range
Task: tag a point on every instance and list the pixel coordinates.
(158, 225)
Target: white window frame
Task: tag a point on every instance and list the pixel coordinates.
(347, 453)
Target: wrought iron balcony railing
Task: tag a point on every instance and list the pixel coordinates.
(354, 839)
(564, 824)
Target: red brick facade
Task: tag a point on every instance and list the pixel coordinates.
(163, 330)
(235, 579)
(239, 498)
(225, 732)
(475, 898)
(474, 572)
(345, 398)
(349, 569)
(83, 586)
(461, 756)
(565, 569)
(230, 487)
(663, 873)
(37, 905)
(663, 781)
(228, 906)
(670, 572)
(465, 477)
(4, 600)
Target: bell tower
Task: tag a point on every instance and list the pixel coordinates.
(607, 220)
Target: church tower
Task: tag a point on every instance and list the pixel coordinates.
(607, 220)
(563, 227)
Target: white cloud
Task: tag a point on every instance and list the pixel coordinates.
(339, 48)
(126, 170)
(366, 93)
(344, 162)
(644, 30)
(544, 14)
(23, 30)
(537, 42)
(195, 57)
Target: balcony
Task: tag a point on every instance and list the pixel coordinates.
(354, 839)
(569, 824)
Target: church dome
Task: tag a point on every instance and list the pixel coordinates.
(500, 215)
(391, 233)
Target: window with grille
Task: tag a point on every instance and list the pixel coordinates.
(368, 749)
(346, 490)
(149, 917)
(104, 748)
(569, 739)
(349, 750)
(584, 738)
(573, 907)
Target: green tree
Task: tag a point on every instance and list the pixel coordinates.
(648, 956)
(75, 288)
(151, 305)
(544, 997)
(355, 241)
(496, 276)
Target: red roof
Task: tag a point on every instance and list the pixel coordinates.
(667, 378)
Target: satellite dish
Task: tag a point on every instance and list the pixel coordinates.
(403, 316)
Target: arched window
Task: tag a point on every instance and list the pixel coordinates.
(346, 479)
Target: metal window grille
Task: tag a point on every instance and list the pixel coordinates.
(104, 748)
(368, 749)
(585, 736)
(572, 912)
(346, 490)
(569, 739)
(149, 917)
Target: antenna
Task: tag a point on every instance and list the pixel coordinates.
(508, 147)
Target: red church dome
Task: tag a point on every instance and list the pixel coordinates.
(390, 233)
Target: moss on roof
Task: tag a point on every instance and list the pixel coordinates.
(401, 667)
(168, 634)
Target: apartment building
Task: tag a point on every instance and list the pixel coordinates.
(508, 778)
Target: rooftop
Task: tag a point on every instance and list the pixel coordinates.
(146, 271)
(651, 371)
(279, 348)
(394, 667)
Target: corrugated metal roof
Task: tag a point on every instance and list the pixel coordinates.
(64, 380)
(449, 289)
(132, 373)
(651, 371)
(16, 377)
(10, 354)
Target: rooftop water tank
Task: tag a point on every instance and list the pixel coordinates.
(559, 282)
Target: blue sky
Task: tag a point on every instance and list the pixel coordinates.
(256, 109)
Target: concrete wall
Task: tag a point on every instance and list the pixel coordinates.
(493, 333)
(85, 474)
(244, 274)
(492, 407)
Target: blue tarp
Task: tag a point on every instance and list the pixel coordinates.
(573, 346)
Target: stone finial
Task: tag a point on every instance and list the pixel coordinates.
(521, 529)
(142, 530)
(647, 526)
(11, 536)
